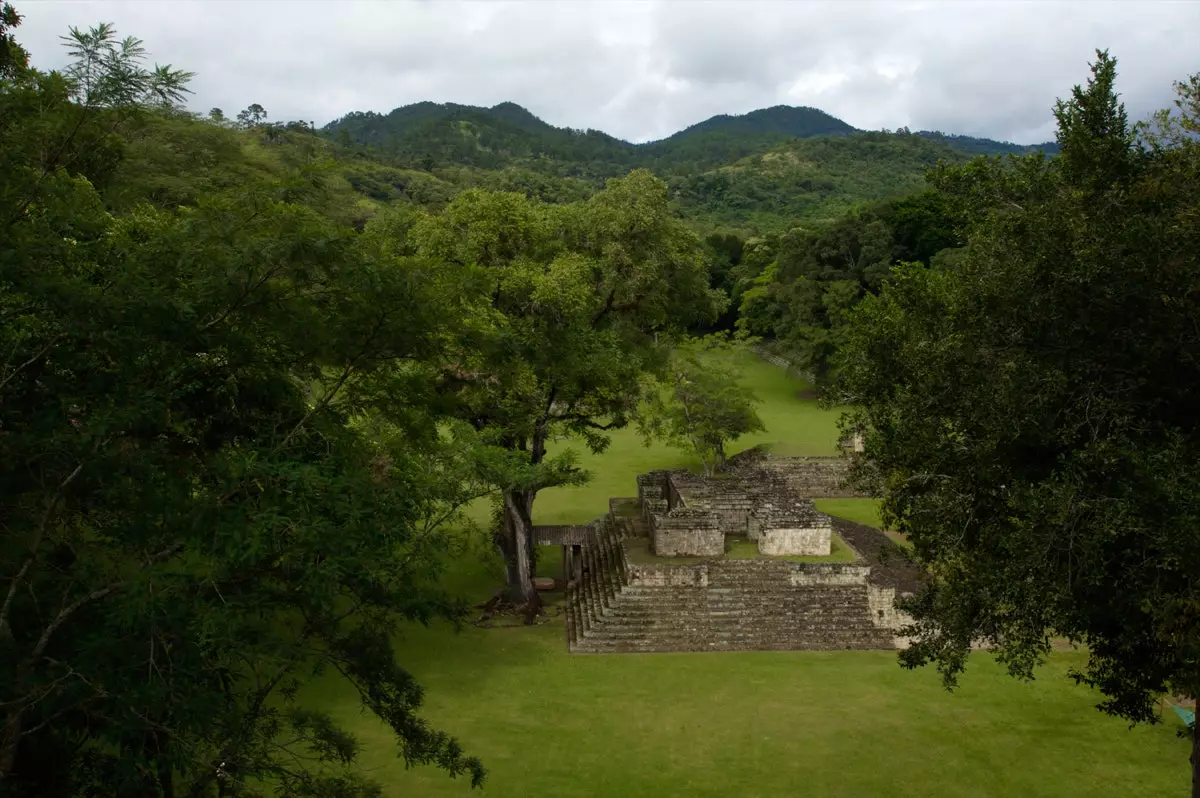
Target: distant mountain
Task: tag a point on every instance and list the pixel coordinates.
(724, 138)
(784, 120)
(978, 146)
(433, 134)
(764, 170)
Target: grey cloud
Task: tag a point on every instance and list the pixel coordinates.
(644, 70)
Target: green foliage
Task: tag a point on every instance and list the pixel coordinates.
(193, 526)
(763, 171)
(701, 402)
(107, 73)
(562, 304)
(724, 138)
(428, 134)
(803, 301)
(252, 115)
(809, 180)
(974, 145)
(1032, 412)
(13, 58)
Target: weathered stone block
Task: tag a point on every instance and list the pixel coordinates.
(814, 540)
(687, 533)
(809, 574)
(669, 575)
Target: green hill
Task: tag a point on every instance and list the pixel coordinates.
(429, 134)
(761, 171)
(810, 179)
(724, 138)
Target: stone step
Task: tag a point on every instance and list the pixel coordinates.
(650, 647)
(751, 606)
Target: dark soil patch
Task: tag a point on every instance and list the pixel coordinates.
(891, 565)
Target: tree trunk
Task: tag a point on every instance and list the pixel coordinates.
(10, 736)
(517, 549)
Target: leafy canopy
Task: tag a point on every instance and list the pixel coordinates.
(1031, 414)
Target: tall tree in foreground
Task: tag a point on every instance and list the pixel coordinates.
(700, 403)
(190, 526)
(564, 304)
(1032, 415)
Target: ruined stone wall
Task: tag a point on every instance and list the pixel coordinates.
(731, 506)
(650, 486)
(884, 613)
(811, 477)
(813, 540)
(668, 575)
(672, 495)
(686, 533)
(813, 573)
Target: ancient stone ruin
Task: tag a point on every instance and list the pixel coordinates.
(689, 515)
(688, 596)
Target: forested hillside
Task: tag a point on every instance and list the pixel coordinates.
(760, 171)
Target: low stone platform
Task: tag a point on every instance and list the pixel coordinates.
(731, 605)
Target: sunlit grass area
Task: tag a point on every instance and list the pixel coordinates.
(766, 724)
(794, 427)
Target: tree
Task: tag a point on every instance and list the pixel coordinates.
(562, 303)
(217, 116)
(107, 73)
(13, 58)
(252, 116)
(193, 526)
(1031, 413)
(701, 403)
(822, 271)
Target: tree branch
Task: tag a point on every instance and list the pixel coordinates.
(5, 628)
(37, 356)
(95, 595)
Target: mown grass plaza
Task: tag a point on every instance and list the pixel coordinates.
(843, 723)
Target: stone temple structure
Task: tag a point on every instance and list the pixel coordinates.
(652, 574)
(691, 516)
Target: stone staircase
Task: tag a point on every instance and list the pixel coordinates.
(734, 605)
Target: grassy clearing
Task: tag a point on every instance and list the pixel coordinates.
(745, 724)
(755, 724)
(860, 511)
(794, 427)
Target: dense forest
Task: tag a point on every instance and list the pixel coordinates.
(254, 371)
(757, 172)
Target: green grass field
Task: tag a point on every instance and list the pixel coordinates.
(746, 724)
(794, 427)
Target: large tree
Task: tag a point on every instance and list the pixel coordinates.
(566, 304)
(190, 525)
(700, 402)
(1031, 414)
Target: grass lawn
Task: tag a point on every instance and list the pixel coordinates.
(861, 511)
(794, 427)
(754, 724)
(744, 724)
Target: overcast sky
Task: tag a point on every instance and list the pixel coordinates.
(644, 70)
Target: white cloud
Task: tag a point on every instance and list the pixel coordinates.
(645, 70)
